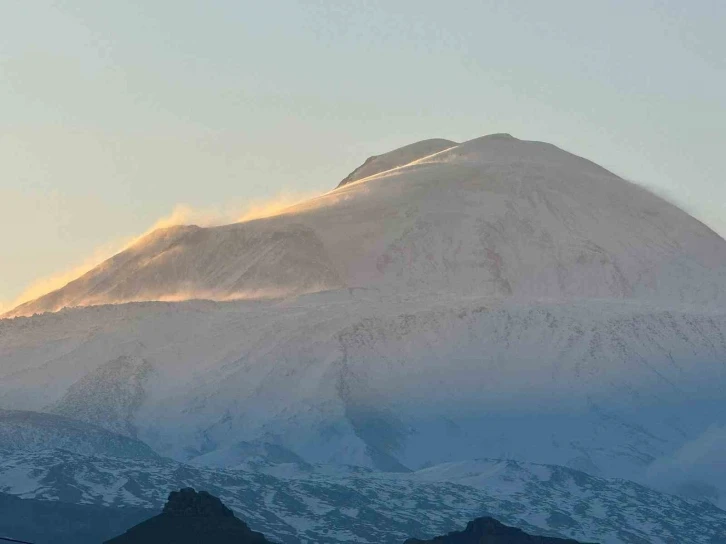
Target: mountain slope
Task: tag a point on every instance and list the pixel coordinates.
(494, 216)
(394, 383)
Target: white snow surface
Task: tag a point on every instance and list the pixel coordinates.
(385, 382)
(499, 298)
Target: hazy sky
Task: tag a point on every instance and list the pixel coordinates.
(112, 113)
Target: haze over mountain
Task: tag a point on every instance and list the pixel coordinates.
(497, 298)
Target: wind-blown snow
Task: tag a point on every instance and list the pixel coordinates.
(494, 216)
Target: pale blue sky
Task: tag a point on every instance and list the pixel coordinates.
(111, 113)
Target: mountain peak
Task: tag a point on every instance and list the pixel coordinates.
(397, 158)
(187, 502)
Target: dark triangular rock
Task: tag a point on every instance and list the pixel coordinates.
(191, 518)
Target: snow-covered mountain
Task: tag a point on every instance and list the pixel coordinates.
(494, 216)
(292, 503)
(497, 298)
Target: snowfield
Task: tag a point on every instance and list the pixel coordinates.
(497, 299)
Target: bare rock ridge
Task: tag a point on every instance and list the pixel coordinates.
(190, 518)
(489, 531)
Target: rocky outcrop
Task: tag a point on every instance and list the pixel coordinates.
(490, 531)
(189, 518)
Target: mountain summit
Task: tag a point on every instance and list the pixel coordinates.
(191, 518)
(496, 216)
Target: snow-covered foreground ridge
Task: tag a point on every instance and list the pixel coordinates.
(494, 216)
(299, 503)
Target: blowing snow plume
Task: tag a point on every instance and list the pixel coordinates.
(495, 216)
(174, 261)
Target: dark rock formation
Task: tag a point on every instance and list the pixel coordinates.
(490, 531)
(189, 503)
(190, 518)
